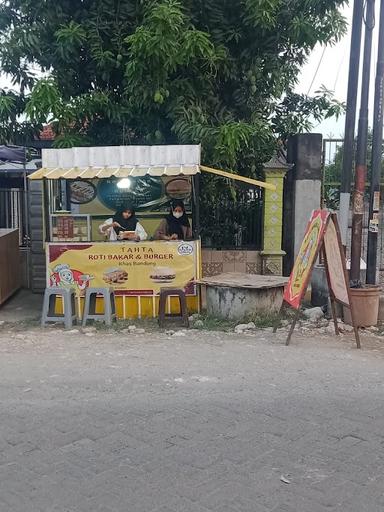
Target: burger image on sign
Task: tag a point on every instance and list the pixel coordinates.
(115, 276)
(162, 275)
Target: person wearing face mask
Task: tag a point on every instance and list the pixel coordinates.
(123, 225)
(176, 224)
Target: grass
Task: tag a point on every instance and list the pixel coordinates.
(23, 325)
(262, 321)
(213, 323)
(206, 323)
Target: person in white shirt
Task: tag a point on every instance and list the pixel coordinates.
(124, 225)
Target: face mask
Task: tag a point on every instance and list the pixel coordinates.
(177, 215)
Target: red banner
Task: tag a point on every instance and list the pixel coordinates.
(301, 272)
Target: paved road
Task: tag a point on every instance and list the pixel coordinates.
(202, 423)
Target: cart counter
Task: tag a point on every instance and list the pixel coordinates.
(136, 271)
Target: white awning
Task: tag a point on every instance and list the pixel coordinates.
(129, 162)
(72, 173)
(119, 162)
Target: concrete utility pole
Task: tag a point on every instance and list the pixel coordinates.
(350, 118)
(361, 151)
(377, 144)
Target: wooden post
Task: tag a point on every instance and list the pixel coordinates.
(331, 295)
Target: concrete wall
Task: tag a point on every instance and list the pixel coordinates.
(240, 304)
(308, 198)
(302, 192)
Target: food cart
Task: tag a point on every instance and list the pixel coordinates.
(82, 187)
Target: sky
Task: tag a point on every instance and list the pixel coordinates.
(333, 73)
(332, 63)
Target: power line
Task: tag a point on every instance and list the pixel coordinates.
(339, 69)
(317, 70)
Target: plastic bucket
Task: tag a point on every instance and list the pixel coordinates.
(365, 302)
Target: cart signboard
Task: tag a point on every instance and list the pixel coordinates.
(129, 268)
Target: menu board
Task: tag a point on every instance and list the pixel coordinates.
(147, 194)
(64, 227)
(141, 194)
(69, 228)
(336, 264)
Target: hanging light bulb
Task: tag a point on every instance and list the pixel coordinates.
(124, 183)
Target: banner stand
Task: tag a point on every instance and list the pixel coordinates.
(322, 236)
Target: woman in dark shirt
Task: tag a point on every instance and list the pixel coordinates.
(176, 224)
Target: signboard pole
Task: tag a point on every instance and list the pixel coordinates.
(331, 294)
(292, 327)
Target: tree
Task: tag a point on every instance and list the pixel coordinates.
(333, 170)
(216, 72)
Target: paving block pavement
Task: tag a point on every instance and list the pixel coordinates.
(206, 423)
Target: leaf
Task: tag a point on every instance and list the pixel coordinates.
(218, 73)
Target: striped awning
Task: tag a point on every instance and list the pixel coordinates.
(91, 172)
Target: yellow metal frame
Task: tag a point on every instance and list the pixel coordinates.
(136, 307)
(237, 177)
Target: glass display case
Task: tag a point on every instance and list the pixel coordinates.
(67, 227)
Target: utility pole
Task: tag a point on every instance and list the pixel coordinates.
(350, 118)
(377, 143)
(361, 150)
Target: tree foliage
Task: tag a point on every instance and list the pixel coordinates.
(333, 170)
(216, 72)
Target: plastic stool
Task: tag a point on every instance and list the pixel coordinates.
(176, 292)
(69, 305)
(108, 296)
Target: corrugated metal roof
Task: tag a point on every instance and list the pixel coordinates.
(121, 156)
(119, 161)
(109, 172)
(128, 161)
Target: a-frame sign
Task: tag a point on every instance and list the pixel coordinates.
(322, 236)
